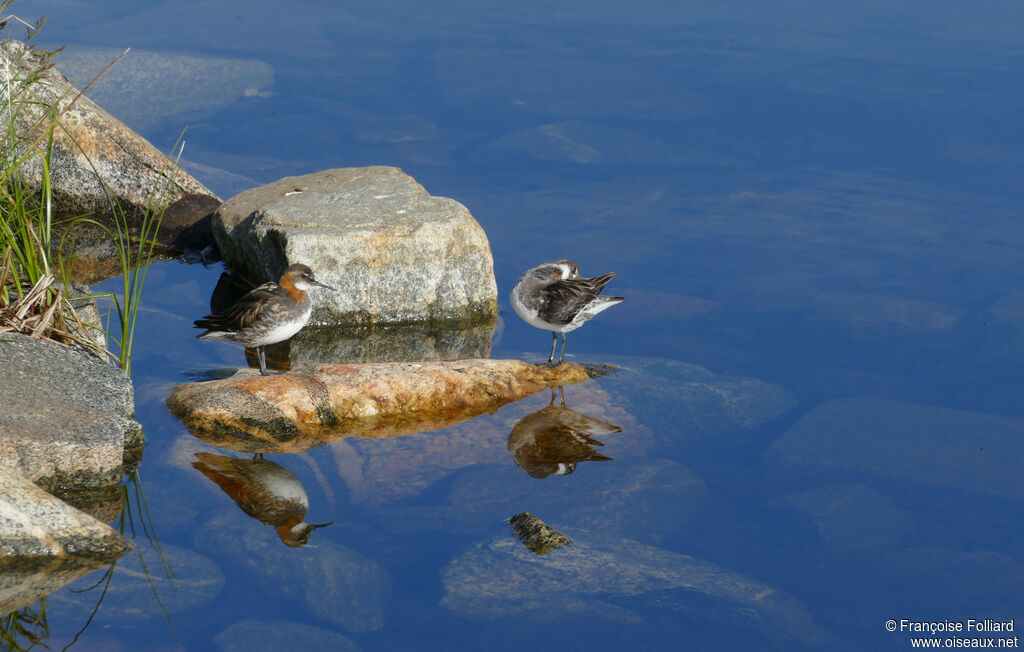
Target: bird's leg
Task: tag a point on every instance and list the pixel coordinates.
(562, 392)
(554, 342)
(561, 358)
(263, 361)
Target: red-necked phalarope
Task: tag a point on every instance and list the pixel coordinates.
(268, 314)
(552, 296)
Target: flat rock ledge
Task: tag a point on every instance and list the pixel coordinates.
(395, 253)
(299, 410)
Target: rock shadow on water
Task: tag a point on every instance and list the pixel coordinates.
(553, 440)
(265, 490)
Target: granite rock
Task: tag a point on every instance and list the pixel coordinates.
(34, 524)
(304, 409)
(66, 419)
(395, 253)
(92, 150)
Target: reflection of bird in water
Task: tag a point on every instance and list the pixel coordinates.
(268, 314)
(552, 296)
(555, 439)
(265, 491)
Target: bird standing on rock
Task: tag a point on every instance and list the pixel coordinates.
(268, 314)
(552, 296)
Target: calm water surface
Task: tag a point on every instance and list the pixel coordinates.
(814, 211)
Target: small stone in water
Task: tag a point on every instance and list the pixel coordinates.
(536, 535)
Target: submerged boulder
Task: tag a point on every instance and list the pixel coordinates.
(291, 412)
(595, 577)
(395, 253)
(93, 152)
(967, 451)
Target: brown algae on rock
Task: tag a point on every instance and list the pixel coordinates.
(536, 535)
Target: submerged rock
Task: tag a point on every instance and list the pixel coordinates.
(649, 500)
(852, 519)
(538, 537)
(700, 404)
(296, 411)
(248, 635)
(395, 253)
(66, 419)
(157, 580)
(147, 89)
(497, 579)
(969, 451)
(93, 152)
(331, 581)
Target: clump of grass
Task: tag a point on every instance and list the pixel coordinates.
(135, 250)
(30, 300)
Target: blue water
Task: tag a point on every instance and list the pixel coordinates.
(815, 202)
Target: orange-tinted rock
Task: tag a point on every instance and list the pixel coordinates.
(296, 411)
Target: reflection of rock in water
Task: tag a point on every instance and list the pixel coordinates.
(555, 439)
(537, 535)
(265, 491)
(24, 580)
(414, 343)
(381, 343)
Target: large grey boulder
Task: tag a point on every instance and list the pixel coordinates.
(395, 253)
(92, 150)
(66, 419)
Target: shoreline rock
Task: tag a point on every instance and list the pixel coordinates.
(36, 525)
(67, 419)
(90, 146)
